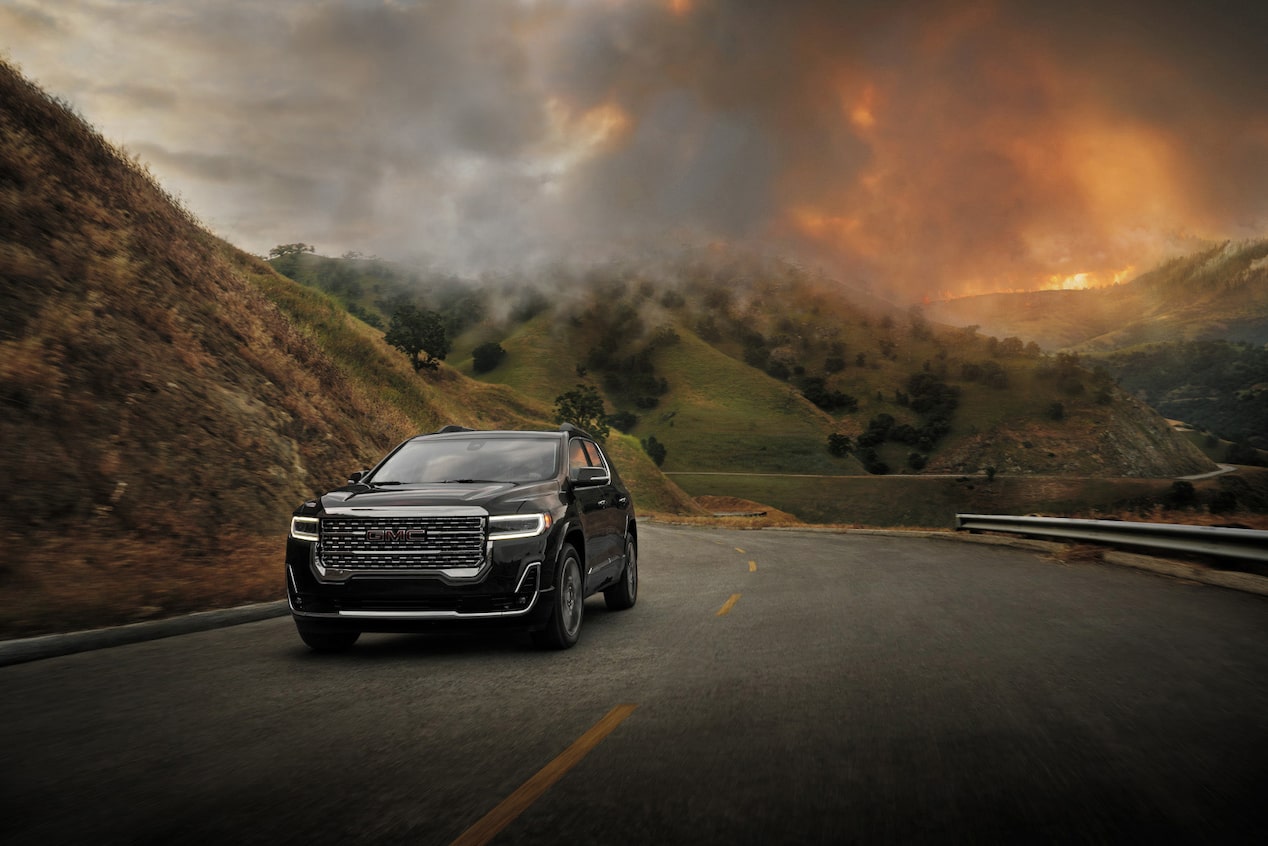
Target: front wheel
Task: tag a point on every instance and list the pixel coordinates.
(624, 593)
(323, 639)
(564, 626)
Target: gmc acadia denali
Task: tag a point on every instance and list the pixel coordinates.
(465, 527)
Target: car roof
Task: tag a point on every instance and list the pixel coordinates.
(456, 433)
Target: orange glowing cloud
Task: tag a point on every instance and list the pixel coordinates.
(1000, 165)
(679, 8)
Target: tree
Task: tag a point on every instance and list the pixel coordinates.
(815, 389)
(420, 334)
(654, 449)
(487, 356)
(583, 408)
(285, 257)
(291, 250)
(839, 444)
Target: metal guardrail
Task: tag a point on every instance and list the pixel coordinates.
(1245, 544)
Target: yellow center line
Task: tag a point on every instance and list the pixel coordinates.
(530, 791)
(740, 551)
(728, 605)
(752, 566)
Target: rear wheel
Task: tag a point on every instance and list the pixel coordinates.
(325, 639)
(564, 626)
(624, 593)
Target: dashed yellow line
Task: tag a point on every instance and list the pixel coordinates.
(740, 551)
(752, 566)
(728, 605)
(530, 791)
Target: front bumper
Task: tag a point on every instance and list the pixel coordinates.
(511, 587)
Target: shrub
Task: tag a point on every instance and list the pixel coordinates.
(654, 449)
(487, 356)
(1223, 502)
(623, 420)
(1181, 494)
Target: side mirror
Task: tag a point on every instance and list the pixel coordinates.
(588, 477)
(357, 476)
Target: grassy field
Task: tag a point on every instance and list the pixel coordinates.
(721, 414)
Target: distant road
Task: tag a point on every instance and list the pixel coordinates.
(769, 687)
(1224, 468)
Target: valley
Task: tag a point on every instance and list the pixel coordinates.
(167, 399)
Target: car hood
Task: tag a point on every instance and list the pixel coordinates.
(484, 494)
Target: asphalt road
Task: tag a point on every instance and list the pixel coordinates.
(777, 687)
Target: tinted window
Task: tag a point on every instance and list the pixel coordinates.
(584, 454)
(477, 459)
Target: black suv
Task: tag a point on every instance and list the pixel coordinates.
(465, 526)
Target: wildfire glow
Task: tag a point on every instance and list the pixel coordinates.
(577, 137)
(1083, 281)
(590, 129)
(862, 111)
(836, 229)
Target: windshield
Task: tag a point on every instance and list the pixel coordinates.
(470, 460)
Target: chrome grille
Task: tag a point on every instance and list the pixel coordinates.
(401, 543)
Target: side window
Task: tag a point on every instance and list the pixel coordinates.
(596, 456)
(577, 457)
(584, 454)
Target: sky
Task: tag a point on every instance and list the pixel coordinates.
(922, 149)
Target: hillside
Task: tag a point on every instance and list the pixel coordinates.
(165, 399)
(743, 364)
(1188, 338)
(1220, 293)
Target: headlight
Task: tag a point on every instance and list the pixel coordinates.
(304, 528)
(513, 526)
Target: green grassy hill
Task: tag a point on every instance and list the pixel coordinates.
(737, 364)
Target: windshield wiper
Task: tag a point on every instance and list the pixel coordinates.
(471, 482)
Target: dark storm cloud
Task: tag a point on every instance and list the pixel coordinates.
(923, 146)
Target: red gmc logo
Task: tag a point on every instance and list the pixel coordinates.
(394, 535)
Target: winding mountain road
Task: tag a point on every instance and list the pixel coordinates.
(769, 687)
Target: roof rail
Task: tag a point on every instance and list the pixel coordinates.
(575, 430)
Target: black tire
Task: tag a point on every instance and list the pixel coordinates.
(323, 639)
(624, 593)
(564, 626)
